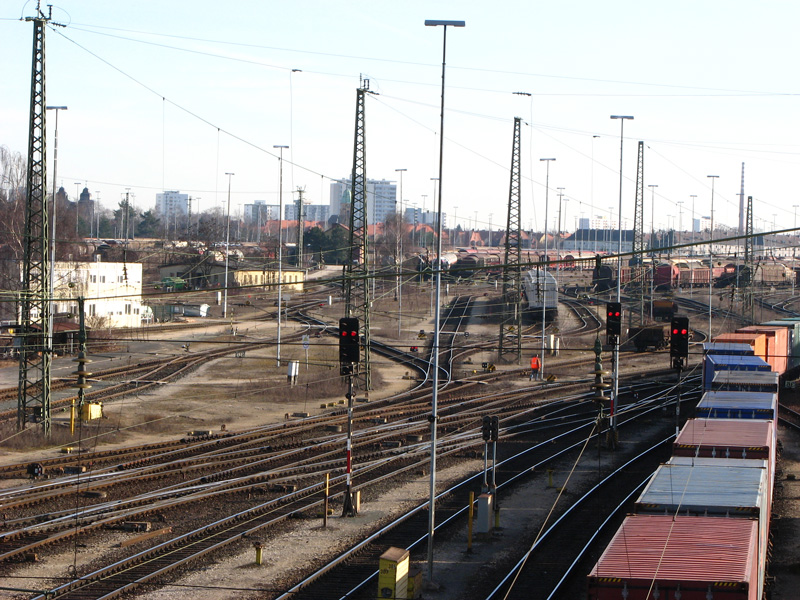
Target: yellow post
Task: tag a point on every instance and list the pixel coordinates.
(72, 418)
(549, 477)
(259, 552)
(471, 513)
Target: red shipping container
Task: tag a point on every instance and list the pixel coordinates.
(726, 438)
(758, 341)
(778, 350)
(700, 556)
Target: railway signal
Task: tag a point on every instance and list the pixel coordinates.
(486, 428)
(614, 319)
(679, 338)
(349, 350)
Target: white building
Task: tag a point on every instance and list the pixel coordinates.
(381, 199)
(268, 212)
(112, 292)
(311, 212)
(701, 224)
(172, 204)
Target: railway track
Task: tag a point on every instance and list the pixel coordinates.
(460, 419)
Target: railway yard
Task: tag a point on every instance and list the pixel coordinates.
(206, 457)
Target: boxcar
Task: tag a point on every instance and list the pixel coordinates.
(672, 556)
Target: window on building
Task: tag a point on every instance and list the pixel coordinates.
(92, 310)
(93, 278)
(127, 309)
(102, 278)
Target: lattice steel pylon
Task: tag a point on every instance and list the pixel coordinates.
(746, 282)
(356, 280)
(636, 262)
(511, 319)
(33, 392)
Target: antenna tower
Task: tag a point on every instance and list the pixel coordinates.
(511, 321)
(356, 280)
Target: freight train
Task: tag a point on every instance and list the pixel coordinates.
(700, 528)
(689, 273)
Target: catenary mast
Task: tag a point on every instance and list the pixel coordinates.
(356, 271)
(33, 391)
(511, 322)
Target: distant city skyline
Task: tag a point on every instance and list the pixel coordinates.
(165, 100)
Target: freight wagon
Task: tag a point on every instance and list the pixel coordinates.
(702, 522)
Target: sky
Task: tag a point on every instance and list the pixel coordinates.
(174, 95)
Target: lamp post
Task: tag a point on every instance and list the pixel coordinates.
(594, 137)
(437, 318)
(51, 283)
(711, 252)
(454, 228)
(615, 360)
(794, 254)
(77, 205)
(434, 180)
(652, 187)
(691, 250)
(280, 247)
(399, 260)
(680, 221)
(227, 248)
(558, 229)
(543, 267)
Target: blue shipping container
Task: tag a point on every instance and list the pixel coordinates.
(721, 362)
(738, 405)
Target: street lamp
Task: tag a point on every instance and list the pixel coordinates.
(680, 221)
(227, 248)
(454, 228)
(711, 252)
(77, 205)
(399, 253)
(437, 318)
(51, 283)
(594, 137)
(652, 187)
(280, 247)
(692, 196)
(615, 360)
(543, 267)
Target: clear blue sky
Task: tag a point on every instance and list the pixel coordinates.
(171, 95)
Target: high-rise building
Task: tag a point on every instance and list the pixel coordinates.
(261, 212)
(311, 212)
(172, 204)
(381, 199)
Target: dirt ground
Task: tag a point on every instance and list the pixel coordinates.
(252, 390)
